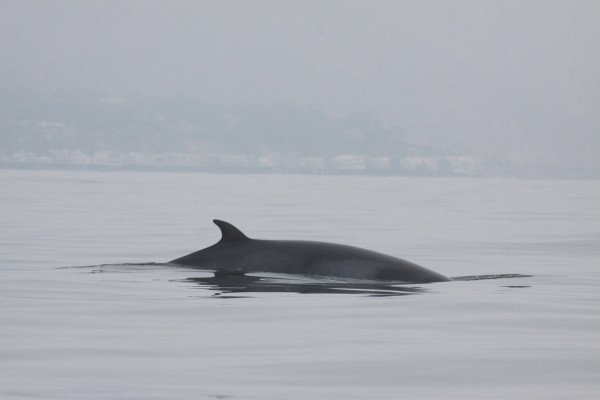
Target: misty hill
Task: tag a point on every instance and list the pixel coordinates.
(44, 122)
(53, 127)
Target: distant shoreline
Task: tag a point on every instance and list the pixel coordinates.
(556, 174)
(212, 170)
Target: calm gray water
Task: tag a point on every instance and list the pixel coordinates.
(109, 329)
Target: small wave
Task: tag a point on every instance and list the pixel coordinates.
(484, 277)
(145, 264)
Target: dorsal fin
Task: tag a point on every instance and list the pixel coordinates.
(229, 232)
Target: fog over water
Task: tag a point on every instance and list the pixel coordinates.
(299, 120)
(511, 85)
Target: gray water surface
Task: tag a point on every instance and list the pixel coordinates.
(89, 310)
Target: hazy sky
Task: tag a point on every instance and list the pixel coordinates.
(514, 70)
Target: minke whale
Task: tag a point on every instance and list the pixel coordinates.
(236, 253)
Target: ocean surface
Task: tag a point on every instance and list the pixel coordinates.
(89, 310)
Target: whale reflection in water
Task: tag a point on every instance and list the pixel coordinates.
(224, 285)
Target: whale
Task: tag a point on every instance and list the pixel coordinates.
(238, 254)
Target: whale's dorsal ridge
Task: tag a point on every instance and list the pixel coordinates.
(236, 253)
(229, 232)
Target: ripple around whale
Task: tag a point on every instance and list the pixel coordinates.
(224, 285)
(280, 283)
